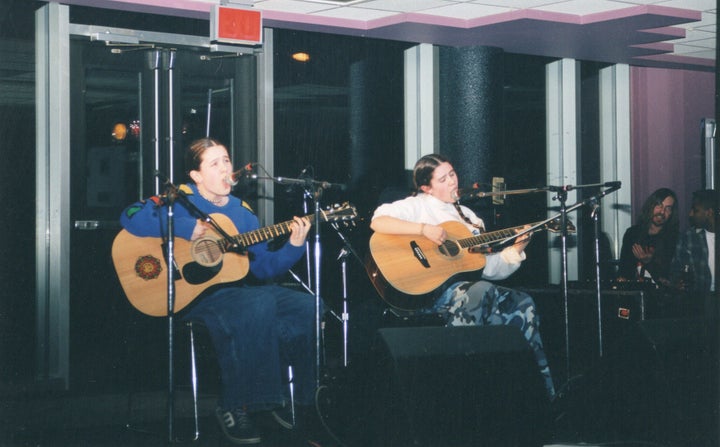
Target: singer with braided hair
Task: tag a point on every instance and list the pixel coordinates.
(464, 302)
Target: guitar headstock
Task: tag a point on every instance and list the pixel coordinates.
(555, 227)
(344, 212)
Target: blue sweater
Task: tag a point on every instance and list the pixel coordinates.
(148, 218)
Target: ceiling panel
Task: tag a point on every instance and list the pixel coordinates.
(613, 31)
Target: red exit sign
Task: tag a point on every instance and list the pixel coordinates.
(234, 25)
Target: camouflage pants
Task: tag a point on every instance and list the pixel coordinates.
(483, 303)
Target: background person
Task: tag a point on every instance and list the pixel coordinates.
(648, 246)
(693, 266)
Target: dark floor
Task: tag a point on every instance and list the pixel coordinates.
(616, 405)
(104, 421)
(656, 385)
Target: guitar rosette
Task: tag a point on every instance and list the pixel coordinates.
(207, 251)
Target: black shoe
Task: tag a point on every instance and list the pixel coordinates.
(238, 427)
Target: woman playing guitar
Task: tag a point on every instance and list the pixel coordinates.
(435, 222)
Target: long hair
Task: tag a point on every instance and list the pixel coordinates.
(195, 152)
(656, 198)
(424, 168)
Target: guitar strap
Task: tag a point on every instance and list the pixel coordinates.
(467, 219)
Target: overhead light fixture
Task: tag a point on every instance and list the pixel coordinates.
(301, 56)
(119, 131)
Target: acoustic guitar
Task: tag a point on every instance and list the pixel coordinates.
(140, 262)
(405, 270)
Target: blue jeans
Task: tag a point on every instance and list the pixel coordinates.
(257, 331)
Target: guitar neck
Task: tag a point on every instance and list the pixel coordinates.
(267, 233)
(492, 236)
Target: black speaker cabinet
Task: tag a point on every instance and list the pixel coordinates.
(661, 387)
(458, 386)
(592, 329)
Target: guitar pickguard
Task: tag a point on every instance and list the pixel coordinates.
(195, 273)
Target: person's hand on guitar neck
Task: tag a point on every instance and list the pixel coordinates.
(299, 230)
(514, 253)
(522, 241)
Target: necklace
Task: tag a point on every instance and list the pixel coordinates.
(217, 201)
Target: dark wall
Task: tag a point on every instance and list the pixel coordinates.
(17, 149)
(17, 267)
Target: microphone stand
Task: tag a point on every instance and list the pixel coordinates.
(316, 198)
(172, 194)
(562, 197)
(308, 268)
(594, 215)
(346, 251)
(170, 262)
(307, 196)
(564, 210)
(315, 189)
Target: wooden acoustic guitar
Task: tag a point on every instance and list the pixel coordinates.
(405, 270)
(140, 262)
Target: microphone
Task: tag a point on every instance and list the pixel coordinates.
(469, 193)
(615, 184)
(302, 175)
(498, 184)
(234, 178)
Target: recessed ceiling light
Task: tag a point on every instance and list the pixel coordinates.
(301, 56)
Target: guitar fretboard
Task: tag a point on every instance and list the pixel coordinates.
(266, 233)
(492, 236)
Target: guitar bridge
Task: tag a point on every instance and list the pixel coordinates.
(419, 255)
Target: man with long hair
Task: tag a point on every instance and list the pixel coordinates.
(649, 245)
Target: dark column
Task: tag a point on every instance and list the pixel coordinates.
(470, 89)
(375, 124)
(360, 121)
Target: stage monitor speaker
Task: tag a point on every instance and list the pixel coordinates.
(587, 335)
(661, 388)
(458, 386)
